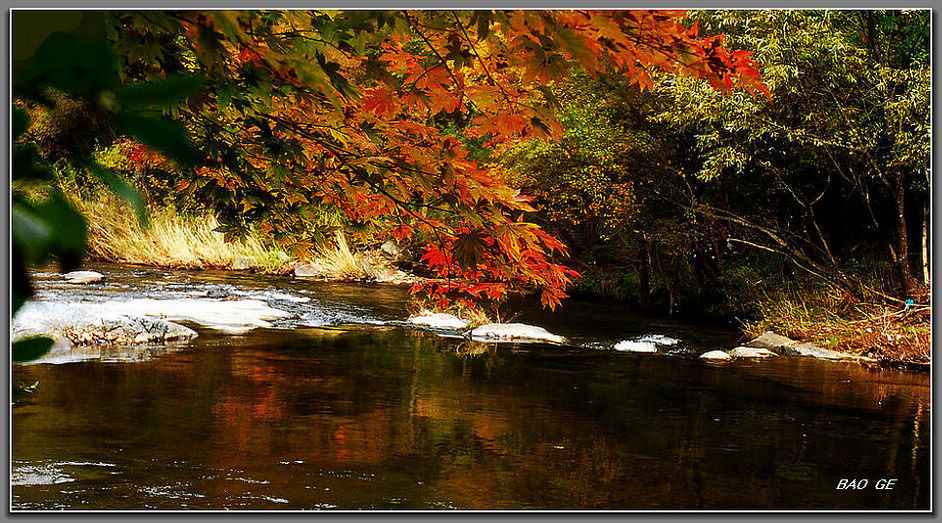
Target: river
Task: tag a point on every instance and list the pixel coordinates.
(342, 407)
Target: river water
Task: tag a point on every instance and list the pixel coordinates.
(344, 408)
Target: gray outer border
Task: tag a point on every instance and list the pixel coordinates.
(432, 4)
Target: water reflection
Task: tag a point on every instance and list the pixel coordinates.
(378, 417)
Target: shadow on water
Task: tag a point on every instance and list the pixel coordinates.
(374, 416)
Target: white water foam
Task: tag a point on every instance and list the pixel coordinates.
(647, 343)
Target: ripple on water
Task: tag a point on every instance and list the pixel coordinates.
(54, 472)
(38, 475)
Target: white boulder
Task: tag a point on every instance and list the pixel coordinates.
(83, 277)
(514, 332)
(233, 316)
(751, 352)
(771, 340)
(92, 324)
(813, 351)
(715, 355)
(438, 320)
(309, 270)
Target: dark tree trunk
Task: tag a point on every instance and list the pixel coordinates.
(902, 257)
(925, 244)
(644, 275)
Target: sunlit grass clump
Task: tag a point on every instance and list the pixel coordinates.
(170, 239)
(186, 241)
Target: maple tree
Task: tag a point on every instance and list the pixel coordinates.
(295, 110)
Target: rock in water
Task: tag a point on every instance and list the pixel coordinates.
(438, 320)
(715, 355)
(233, 316)
(242, 263)
(83, 277)
(88, 323)
(308, 270)
(514, 332)
(218, 293)
(770, 340)
(390, 250)
(142, 320)
(367, 269)
(751, 352)
(813, 351)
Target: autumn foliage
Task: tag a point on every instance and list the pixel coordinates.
(304, 109)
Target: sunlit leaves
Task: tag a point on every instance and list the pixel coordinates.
(345, 109)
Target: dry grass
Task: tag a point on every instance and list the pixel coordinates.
(177, 241)
(172, 240)
(880, 330)
(341, 262)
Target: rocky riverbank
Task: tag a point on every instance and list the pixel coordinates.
(770, 344)
(86, 311)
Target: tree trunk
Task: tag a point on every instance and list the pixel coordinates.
(644, 275)
(925, 244)
(644, 286)
(902, 260)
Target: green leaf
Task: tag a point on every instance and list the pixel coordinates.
(162, 92)
(67, 229)
(20, 122)
(69, 63)
(164, 135)
(31, 234)
(121, 188)
(21, 289)
(26, 165)
(30, 29)
(29, 349)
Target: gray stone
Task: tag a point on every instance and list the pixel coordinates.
(228, 315)
(242, 263)
(142, 320)
(715, 355)
(514, 332)
(813, 351)
(218, 293)
(367, 269)
(390, 250)
(771, 340)
(308, 270)
(438, 320)
(83, 277)
(92, 324)
(128, 331)
(751, 352)
(406, 256)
